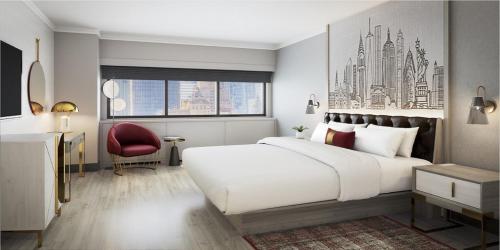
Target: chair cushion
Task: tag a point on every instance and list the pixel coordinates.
(137, 150)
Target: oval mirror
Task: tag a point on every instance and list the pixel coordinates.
(36, 86)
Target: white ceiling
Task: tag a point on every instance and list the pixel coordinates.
(232, 23)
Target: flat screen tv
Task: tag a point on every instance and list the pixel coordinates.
(11, 64)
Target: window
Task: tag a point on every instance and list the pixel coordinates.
(192, 98)
(237, 98)
(139, 98)
(175, 92)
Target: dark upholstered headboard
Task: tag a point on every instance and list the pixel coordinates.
(425, 142)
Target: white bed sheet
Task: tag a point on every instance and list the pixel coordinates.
(244, 178)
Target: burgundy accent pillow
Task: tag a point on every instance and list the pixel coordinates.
(340, 139)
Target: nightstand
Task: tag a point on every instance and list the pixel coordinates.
(469, 191)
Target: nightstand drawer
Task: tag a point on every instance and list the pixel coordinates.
(465, 192)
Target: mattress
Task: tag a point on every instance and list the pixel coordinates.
(244, 178)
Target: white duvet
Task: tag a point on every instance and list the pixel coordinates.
(282, 171)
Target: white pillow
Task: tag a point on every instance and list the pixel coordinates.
(319, 133)
(345, 127)
(409, 138)
(378, 141)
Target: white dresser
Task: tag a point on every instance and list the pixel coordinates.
(28, 164)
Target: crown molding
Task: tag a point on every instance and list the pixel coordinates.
(79, 30)
(186, 41)
(32, 6)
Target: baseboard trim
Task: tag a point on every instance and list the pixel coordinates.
(89, 167)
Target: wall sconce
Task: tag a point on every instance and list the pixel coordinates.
(313, 102)
(480, 107)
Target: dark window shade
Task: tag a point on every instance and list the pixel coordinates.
(147, 73)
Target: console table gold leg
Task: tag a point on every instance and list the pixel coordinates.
(80, 159)
(39, 238)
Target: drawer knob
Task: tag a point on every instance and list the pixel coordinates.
(453, 189)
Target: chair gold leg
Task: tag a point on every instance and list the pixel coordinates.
(117, 166)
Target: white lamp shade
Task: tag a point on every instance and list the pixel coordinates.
(110, 89)
(118, 104)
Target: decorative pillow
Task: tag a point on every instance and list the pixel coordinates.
(378, 141)
(319, 133)
(408, 140)
(340, 139)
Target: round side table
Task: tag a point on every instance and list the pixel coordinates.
(174, 151)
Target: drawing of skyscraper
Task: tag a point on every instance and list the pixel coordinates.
(348, 75)
(355, 86)
(389, 68)
(408, 86)
(361, 73)
(437, 93)
(378, 55)
(399, 68)
(370, 63)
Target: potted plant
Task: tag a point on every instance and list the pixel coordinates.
(299, 131)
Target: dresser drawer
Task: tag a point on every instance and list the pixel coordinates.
(468, 193)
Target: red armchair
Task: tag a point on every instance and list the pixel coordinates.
(129, 140)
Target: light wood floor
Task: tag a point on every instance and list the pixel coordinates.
(152, 210)
(140, 210)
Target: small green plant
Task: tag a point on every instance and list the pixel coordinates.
(300, 128)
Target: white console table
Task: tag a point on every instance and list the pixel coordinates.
(29, 163)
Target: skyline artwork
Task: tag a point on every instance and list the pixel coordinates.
(389, 60)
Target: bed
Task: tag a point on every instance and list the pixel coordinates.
(283, 182)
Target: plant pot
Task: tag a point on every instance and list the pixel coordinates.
(299, 135)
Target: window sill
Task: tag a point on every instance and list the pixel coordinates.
(190, 119)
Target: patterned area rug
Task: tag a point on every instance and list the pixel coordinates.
(370, 233)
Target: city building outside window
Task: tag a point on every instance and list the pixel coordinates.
(171, 98)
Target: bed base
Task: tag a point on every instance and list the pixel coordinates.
(317, 213)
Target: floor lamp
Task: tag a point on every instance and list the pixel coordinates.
(110, 89)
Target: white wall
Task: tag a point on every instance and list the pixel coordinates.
(126, 53)
(19, 27)
(77, 80)
(300, 71)
(198, 132)
(474, 41)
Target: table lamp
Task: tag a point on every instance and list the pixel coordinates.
(66, 108)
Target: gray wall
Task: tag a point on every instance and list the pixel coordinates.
(20, 27)
(473, 60)
(76, 80)
(300, 71)
(126, 53)
(474, 52)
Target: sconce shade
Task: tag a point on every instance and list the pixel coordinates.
(310, 108)
(477, 116)
(64, 106)
(478, 102)
(476, 112)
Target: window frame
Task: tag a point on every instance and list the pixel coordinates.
(217, 108)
